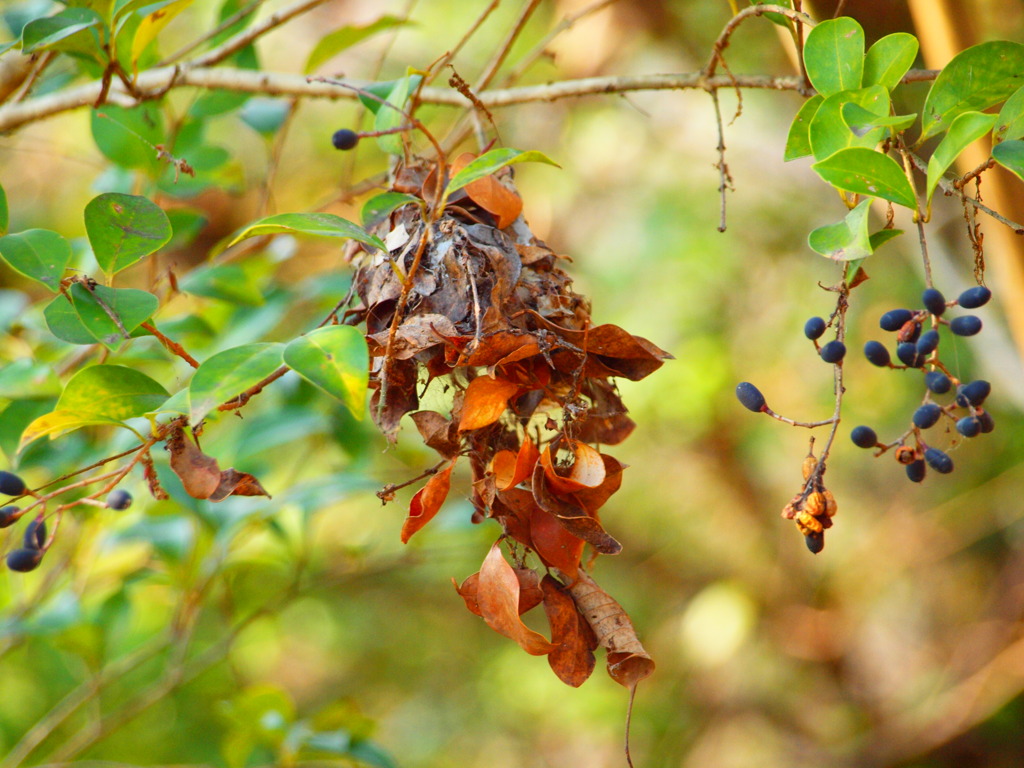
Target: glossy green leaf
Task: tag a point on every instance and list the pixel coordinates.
(1010, 155)
(389, 116)
(229, 373)
(862, 121)
(845, 240)
(850, 272)
(48, 32)
(882, 236)
(867, 172)
(123, 229)
(491, 162)
(379, 207)
(965, 129)
(64, 322)
(60, 422)
(178, 404)
(37, 253)
(114, 391)
(381, 91)
(776, 18)
(15, 417)
(129, 136)
(975, 79)
(798, 142)
(829, 133)
(1010, 124)
(336, 359)
(228, 282)
(834, 56)
(888, 60)
(94, 306)
(339, 40)
(319, 224)
(5, 218)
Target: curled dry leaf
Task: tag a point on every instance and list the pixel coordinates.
(427, 502)
(530, 592)
(486, 399)
(498, 599)
(511, 468)
(438, 433)
(201, 475)
(490, 194)
(513, 509)
(628, 662)
(555, 546)
(572, 516)
(586, 472)
(234, 483)
(573, 658)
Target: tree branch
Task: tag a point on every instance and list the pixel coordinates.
(154, 82)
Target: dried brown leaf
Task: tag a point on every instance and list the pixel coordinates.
(572, 516)
(427, 501)
(437, 432)
(199, 473)
(573, 658)
(490, 194)
(587, 470)
(555, 546)
(486, 399)
(498, 598)
(234, 483)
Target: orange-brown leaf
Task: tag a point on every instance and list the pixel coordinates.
(490, 194)
(513, 508)
(498, 598)
(467, 591)
(198, 472)
(486, 399)
(437, 433)
(573, 659)
(234, 483)
(594, 498)
(427, 502)
(555, 546)
(510, 469)
(530, 592)
(587, 470)
(572, 515)
(628, 662)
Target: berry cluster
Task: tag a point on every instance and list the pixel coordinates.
(813, 508)
(917, 349)
(35, 542)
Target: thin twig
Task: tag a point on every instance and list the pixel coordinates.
(503, 50)
(385, 493)
(171, 346)
(754, 10)
(450, 56)
(229, 22)
(725, 180)
(950, 189)
(840, 7)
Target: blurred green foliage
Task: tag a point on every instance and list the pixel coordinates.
(296, 630)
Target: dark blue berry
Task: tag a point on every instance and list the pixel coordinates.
(938, 461)
(895, 319)
(119, 499)
(968, 325)
(928, 342)
(907, 353)
(815, 541)
(876, 353)
(934, 301)
(35, 534)
(937, 382)
(344, 139)
(814, 327)
(750, 397)
(11, 484)
(987, 423)
(24, 560)
(864, 437)
(975, 297)
(833, 352)
(916, 470)
(973, 393)
(969, 426)
(8, 516)
(926, 416)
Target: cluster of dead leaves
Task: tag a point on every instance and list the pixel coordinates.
(490, 314)
(200, 474)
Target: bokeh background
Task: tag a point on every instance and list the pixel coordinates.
(183, 632)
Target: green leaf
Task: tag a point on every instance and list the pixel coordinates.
(340, 39)
(4, 213)
(1010, 155)
(336, 359)
(834, 56)
(228, 282)
(491, 162)
(845, 240)
(25, 379)
(381, 90)
(132, 307)
(1010, 124)
(777, 18)
(15, 417)
(965, 129)
(123, 229)
(64, 322)
(60, 422)
(888, 60)
(975, 79)
(114, 391)
(40, 34)
(851, 270)
(178, 403)
(798, 142)
(862, 121)
(229, 373)
(867, 172)
(265, 116)
(829, 133)
(882, 236)
(129, 136)
(389, 116)
(378, 208)
(37, 253)
(320, 224)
